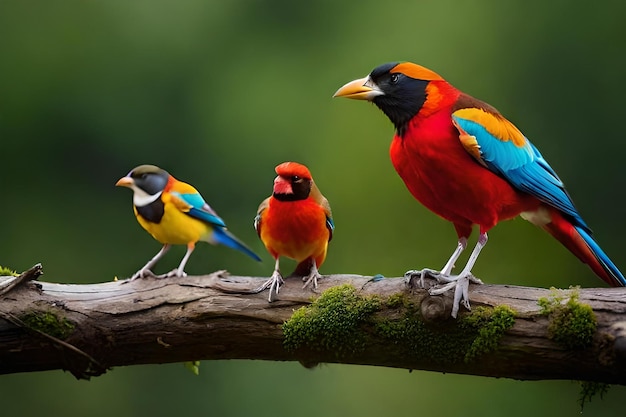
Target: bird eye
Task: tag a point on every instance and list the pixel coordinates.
(394, 78)
(295, 178)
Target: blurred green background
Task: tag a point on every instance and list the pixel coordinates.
(218, 93)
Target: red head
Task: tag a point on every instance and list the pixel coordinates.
(289, 169)
(293, 182)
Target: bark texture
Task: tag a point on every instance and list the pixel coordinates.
(87, 329)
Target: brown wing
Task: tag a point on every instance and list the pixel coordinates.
(259, 215)
(316, 194)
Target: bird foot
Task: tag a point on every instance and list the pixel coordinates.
(312, 277)
(142, 273)
(274, 283)
(460, 283)
(173, 273)
(447, 279)
(419, 274)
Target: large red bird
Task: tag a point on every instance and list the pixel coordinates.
(466, 162)
(295, 222)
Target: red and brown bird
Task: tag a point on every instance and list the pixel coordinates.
(295, 222)
(466, 162)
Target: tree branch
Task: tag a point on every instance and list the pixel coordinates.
(87, 329)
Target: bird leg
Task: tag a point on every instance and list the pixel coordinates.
(274, 283)
(146, 269)
(445, 271)
(460, 247)
(312, 277)
(461, 282)
(180, 271)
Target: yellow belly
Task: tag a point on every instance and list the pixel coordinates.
(176, 227)
(296, 249)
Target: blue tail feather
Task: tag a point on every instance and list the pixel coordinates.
(224, 237)
(602, 257)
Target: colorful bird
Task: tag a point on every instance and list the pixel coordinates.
(467, 163)
(296, 222)
(174, 213)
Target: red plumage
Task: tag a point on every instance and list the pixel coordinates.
(465, 162)
(440, 174)
(295, 222)
(562, 230)
(296, 230)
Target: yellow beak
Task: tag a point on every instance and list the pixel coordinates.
(125, 182)
(361, 89)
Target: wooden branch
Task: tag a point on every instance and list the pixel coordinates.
(11, 282)
(88, 329)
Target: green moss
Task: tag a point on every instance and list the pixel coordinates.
(4, 271)
(440, 343)
(193, 367)
(451, 341)
(491, 325)
(49, 323)
(398, 300)
(333, 322)
(589, 389)
(342, 321)
(572, 323)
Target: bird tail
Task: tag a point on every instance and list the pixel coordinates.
(226, 238)
(303, 268)
(579, 241)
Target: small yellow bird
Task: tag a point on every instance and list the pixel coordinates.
(174, 213)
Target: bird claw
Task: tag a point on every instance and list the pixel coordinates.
(412, 274)
(460, 283)
(446, 279)
(142, 273)
(173, 273)
(312, 277)
(274, 283)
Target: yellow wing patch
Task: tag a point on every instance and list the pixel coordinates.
(495, 124)
(177, 202)
(470, 143)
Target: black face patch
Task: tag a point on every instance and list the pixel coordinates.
(383, 69)
(301, 188)
(404, 96)
(152, 212)
(150, 178)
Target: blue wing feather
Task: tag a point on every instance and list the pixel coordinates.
(200, 209)
(523, 166)
(330, 224)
